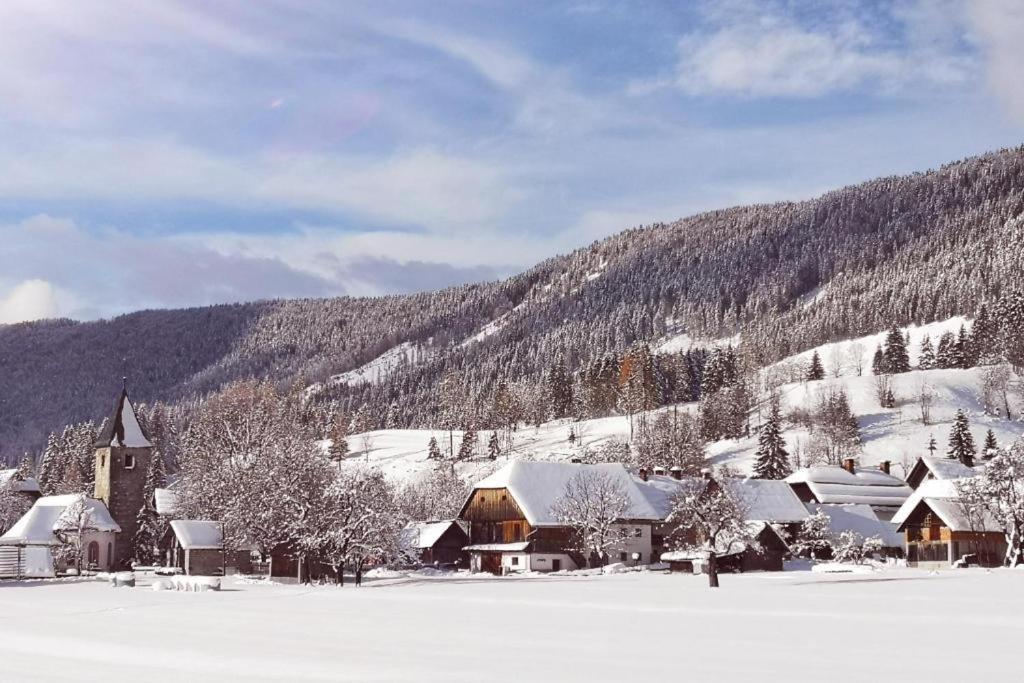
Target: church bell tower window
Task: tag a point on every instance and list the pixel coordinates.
(129, 461)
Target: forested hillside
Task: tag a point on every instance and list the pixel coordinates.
(788, 276)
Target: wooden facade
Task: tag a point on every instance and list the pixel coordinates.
(931, 542)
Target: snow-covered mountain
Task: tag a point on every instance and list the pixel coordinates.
(789, 276)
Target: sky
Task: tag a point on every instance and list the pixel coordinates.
(166, 153)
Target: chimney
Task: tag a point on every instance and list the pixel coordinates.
(848, 465)
(884, 466)
(677, 472)
(576, 461)
(660, 471)
(643, 474)
(706, 473)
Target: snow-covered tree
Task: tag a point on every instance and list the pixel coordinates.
(999, 491)
(850, 546)
(13, 504)
(772, 459)
(150, 527)
(814, 537)
(711, 517)
(433, 450)
(339, 441)
(493, 446)
(815, 370)
(70, 529)
(438, 496)
(467, 448)
(592, 504)
(991, 447)
(926, 356)
(671, 439)
(961, 443)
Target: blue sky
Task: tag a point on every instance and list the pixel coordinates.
(169, 153)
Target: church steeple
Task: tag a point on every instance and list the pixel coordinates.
(122, 428)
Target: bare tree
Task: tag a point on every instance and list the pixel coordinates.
(592, 504)
(711, 516)
(885, 391)
(855, 357)
(996, 382)
(70, 529)
(999, 492)
(925, 400)
(835, 363)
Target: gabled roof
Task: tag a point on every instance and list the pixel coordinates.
(537, 486)
(832, 484)
(941, 496)
(421, 535)
(36, 526)
(939, 468)
(122, 428)
(770, 500)
(198, 534)
(860, 519)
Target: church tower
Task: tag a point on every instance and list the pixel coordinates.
(123, 454)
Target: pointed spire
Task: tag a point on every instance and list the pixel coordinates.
(123, 428)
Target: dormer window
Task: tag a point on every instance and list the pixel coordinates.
(129, 461)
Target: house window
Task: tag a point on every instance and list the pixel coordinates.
(515, 561)
(638, 532)
(622, 557)
(129, 461)
(517, 532)
(504, 498)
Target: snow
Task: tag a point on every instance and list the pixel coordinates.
(28, 485)
(133, 436)
(860, 519)
(834, 484)
(378, 368)
(941, 496)
(499, 547)
(948, 468)
(537, 486)
(198, 534)
(37, 525)
(166, 501)
(424, 534)
(770, 501)
(837, 626)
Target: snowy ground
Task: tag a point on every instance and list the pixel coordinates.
(785, 626)
(896, 434)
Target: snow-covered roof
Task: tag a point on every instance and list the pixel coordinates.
(860, 519)
(27, 485)
(930, 467)
(424, 534)
(537, 486)
(941, 496)
(122, 428)
(166, 501)
(198, 534)
(725, 546)
(36, 526)
(832, 484)
(500, 547)
(660, 490)
(770, 500)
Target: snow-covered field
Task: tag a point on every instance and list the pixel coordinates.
(897, 624)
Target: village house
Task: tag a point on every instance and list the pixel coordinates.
(940, 531)
(773, 513)
(929, 467)
(861, 520)
(847, 484)
(30, 548)
(26, 486)
(513, 528)
(436, 543)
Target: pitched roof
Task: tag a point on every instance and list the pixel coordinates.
(122, 428)
(425, 534)
(36, 526)
(860, 519)
(770, 500)
(832, 484)
(941, 496)
(939, 468)
(537, 486)
(165, 501)
(198, 534)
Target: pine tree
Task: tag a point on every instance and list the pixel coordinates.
(946, 357)
(963, 353)
(878, 362)
(339, 443)
(984, 338)
(961, 443)
(148, 533)
(815, 370)
(926, 357)
(991, 447)
(468, 446)
(433, 450)
(772, 459)
(493, 446)
(932, 445)
(897, 359)
(559, 392)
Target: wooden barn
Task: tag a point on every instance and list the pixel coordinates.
(940, 532)
(930, 467)
(199, 550)
(851, 485)
(434, 543)
(512, 527)
(766, 554)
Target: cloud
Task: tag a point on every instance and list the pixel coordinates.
(763, 51)
(999, 25)
(29, 300)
